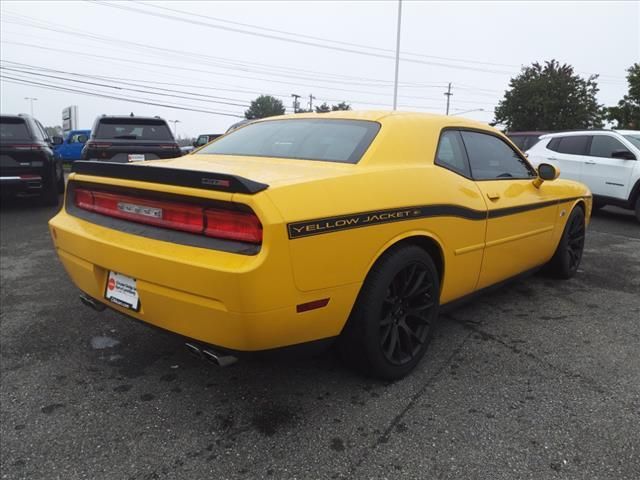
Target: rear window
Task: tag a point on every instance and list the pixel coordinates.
(573, 145)
(635, 139)
(343, 141)
(13, 129)
(116, 129)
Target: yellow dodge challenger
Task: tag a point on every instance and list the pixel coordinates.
(300, 230)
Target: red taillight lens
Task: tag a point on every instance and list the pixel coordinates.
(26, 147)
(91, 144)
(241, 226)
(213, 222)
(176, 216)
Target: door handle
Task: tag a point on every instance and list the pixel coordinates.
(589, 163)
(493, 195)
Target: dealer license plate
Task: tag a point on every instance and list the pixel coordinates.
(136, 157)
(122, 290)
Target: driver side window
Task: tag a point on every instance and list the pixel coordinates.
(491, 158)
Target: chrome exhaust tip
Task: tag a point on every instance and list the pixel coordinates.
(210, 356)
(92, 303)
(219, 359)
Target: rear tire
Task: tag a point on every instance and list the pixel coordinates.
(392, 321)
(49, 194)
(60, 177)
(566, 260)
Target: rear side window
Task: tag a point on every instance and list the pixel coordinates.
(343, 141)
(451, 154)
(116, 129)
(491, 158)
(604, 146)
(574, 145)
(13, 129)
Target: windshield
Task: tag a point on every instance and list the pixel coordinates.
(343, 141)
(635, 139)
(124, 130)
(13, 129)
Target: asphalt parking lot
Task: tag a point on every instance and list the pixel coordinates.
(538, 380)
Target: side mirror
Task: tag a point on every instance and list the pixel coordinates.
(546, 172)
(57, 140)
(623, 155)
(195, 144)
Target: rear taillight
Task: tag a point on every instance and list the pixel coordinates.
(212, 222)
(91, 144)
(241, 226)
(27, 147)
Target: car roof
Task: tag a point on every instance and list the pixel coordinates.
(571, 133)
(129, 117)
(628, 132)
(385, 116)
(529, 133)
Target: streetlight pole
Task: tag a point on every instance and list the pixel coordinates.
(31, 100)
(175, 128)
(395, 83)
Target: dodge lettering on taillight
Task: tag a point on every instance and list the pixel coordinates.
(140, 210)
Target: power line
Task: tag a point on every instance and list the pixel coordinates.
(113, 97)
(299, 42)
(172, 68)
(200, 58)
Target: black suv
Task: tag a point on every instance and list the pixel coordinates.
(126, 139)
(27, 161)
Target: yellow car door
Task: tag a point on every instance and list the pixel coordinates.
(520, 215)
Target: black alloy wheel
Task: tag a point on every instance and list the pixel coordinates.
(393, 319)
(575, 241)
(566, 259)
(406, 320)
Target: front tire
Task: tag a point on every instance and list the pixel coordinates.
(638, 208)
(566, 260)
(392, 321)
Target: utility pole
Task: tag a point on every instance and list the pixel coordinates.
(311, 99)
(31, 100)
(395, 83)
(296, 104)
(448, 95)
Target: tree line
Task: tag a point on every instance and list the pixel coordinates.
(545, 96)
(268, 106)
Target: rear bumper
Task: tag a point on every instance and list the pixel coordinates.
(237, 302)
(21, 184)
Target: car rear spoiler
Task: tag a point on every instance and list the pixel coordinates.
(169, 176)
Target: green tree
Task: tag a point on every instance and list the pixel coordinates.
(627, 113)
(324, 108)
(341, 106)
(550, 97)
(264, 106)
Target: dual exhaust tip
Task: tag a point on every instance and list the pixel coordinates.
(205, 353)
(201, 352)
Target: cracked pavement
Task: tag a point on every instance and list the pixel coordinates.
(538, 379)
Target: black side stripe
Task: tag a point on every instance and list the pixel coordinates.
(319, 226)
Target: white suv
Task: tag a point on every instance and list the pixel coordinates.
(607, 161)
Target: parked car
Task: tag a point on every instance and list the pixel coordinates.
(205, 138)
(71, 148)
(525, 140)
(607, 161)
(125, 139)
(304, 229)
(27, 161)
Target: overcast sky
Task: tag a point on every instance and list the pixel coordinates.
(217, 56)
